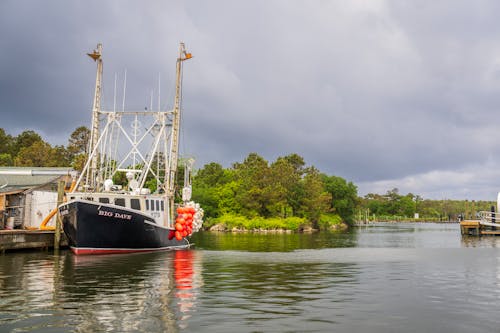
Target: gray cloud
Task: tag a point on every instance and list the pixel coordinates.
(383, 93)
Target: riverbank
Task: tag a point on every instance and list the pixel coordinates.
(237, 223)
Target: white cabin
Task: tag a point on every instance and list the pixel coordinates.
(152, 205)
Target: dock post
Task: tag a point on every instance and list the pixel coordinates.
(493, 219)
(466, 217)
(60, 195)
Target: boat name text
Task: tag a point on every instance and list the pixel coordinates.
(115, 215)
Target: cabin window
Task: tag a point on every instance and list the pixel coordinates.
(162, 206)
(157, 205)
(147, 204)
(135, 204)
(104, 200)
(72, 198)
(120, 202)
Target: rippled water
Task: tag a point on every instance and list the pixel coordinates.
(381, 278)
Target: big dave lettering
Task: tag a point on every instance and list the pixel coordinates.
(115, 215)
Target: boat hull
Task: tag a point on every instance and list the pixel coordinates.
(94, 228)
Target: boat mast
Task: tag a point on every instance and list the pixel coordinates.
(174, 148)
(96, 109)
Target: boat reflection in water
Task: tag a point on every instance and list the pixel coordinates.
(187, 284)
(134, 292)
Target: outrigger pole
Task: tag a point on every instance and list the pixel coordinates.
(92, 172)
(174, 148)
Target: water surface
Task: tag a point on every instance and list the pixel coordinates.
(381, 278)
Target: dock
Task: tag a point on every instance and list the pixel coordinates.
(19, 239)
(475, 228)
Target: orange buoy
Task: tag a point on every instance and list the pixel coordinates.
(178, 235)
(178, 226)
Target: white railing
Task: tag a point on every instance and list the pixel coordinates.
(487, 217)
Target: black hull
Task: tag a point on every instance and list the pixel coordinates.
(93, 228)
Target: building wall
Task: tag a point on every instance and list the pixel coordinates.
(15, 208)
(38, 205)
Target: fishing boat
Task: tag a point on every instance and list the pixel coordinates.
(140, 148)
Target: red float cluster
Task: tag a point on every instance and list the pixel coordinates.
(184, 222)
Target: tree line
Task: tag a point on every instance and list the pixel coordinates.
(253, 188)
(28, 149)
(395, 206)
(283, 188)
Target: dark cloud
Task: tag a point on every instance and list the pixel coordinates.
(384, 93)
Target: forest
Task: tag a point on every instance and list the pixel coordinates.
(255, 193)
(28, 149)
(393, 206)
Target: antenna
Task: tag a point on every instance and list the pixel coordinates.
(114, 98)
(159, 91)
(124, 90)
(151, 101)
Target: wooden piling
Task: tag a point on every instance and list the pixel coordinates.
(18, 239)
(60, 196)
(470, 227)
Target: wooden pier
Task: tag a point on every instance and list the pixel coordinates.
(18, 239)
(474, 228)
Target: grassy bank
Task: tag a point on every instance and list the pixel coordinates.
(232, 222)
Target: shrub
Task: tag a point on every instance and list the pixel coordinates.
(329, 221)
(230, 221)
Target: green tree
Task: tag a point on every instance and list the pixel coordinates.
(225, 195)
(316, 199)
(36, 155)
(283, 179)
(59, 157)
(78, 144)
(78, 162)
(343, 197)
(407, 205)
(253, 188)
(211, 174)
(25, 140)
(297, 162)
(254, 177)
(6, 145)
(6, 160)
(215, 188)
(78, 141)
(286, 173)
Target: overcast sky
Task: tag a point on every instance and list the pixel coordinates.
(386, 94)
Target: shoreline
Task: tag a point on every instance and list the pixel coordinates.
(221, 227)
